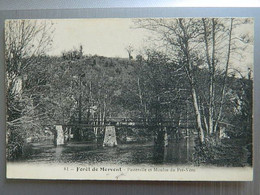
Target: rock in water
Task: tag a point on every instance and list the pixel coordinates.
(110, 136)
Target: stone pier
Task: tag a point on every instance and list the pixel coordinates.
(110, 136)
(165, 138)
(59, 136)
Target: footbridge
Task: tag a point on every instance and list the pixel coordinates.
(108, 128)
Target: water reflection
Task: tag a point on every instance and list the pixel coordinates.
(58, 152)
(159, 154)
(177, 152)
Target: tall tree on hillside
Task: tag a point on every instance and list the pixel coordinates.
(129, 50)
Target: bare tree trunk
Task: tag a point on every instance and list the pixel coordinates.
(212, 81)
(205, 120)
(189, 73)
(100, 117)
(223, 91)
(80, 102)
(211, 66)
(198, 115)
(206, 124)
(104, 112)
(143, 105)
(139, 91)
(196, 106)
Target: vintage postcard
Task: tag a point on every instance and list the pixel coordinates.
(129, 99)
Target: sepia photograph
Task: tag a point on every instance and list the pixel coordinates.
(129, 99)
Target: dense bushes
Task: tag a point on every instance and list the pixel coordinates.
(225, 152)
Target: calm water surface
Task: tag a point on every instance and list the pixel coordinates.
(89, 153)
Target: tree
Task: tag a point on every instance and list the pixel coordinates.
(24, 40)
(129, 50)
(204, 50)
(184, 40)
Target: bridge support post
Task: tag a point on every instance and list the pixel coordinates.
(110, 136)
(59, 135)
(165, 137)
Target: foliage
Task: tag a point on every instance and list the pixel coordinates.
(182, 80)
(225, 152)
(25, 39)
(205, 48)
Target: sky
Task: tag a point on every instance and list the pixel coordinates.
(110, 36)
(105, 37)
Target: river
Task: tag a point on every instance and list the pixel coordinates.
(177, 152)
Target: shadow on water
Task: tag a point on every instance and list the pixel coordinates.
(177, 152)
